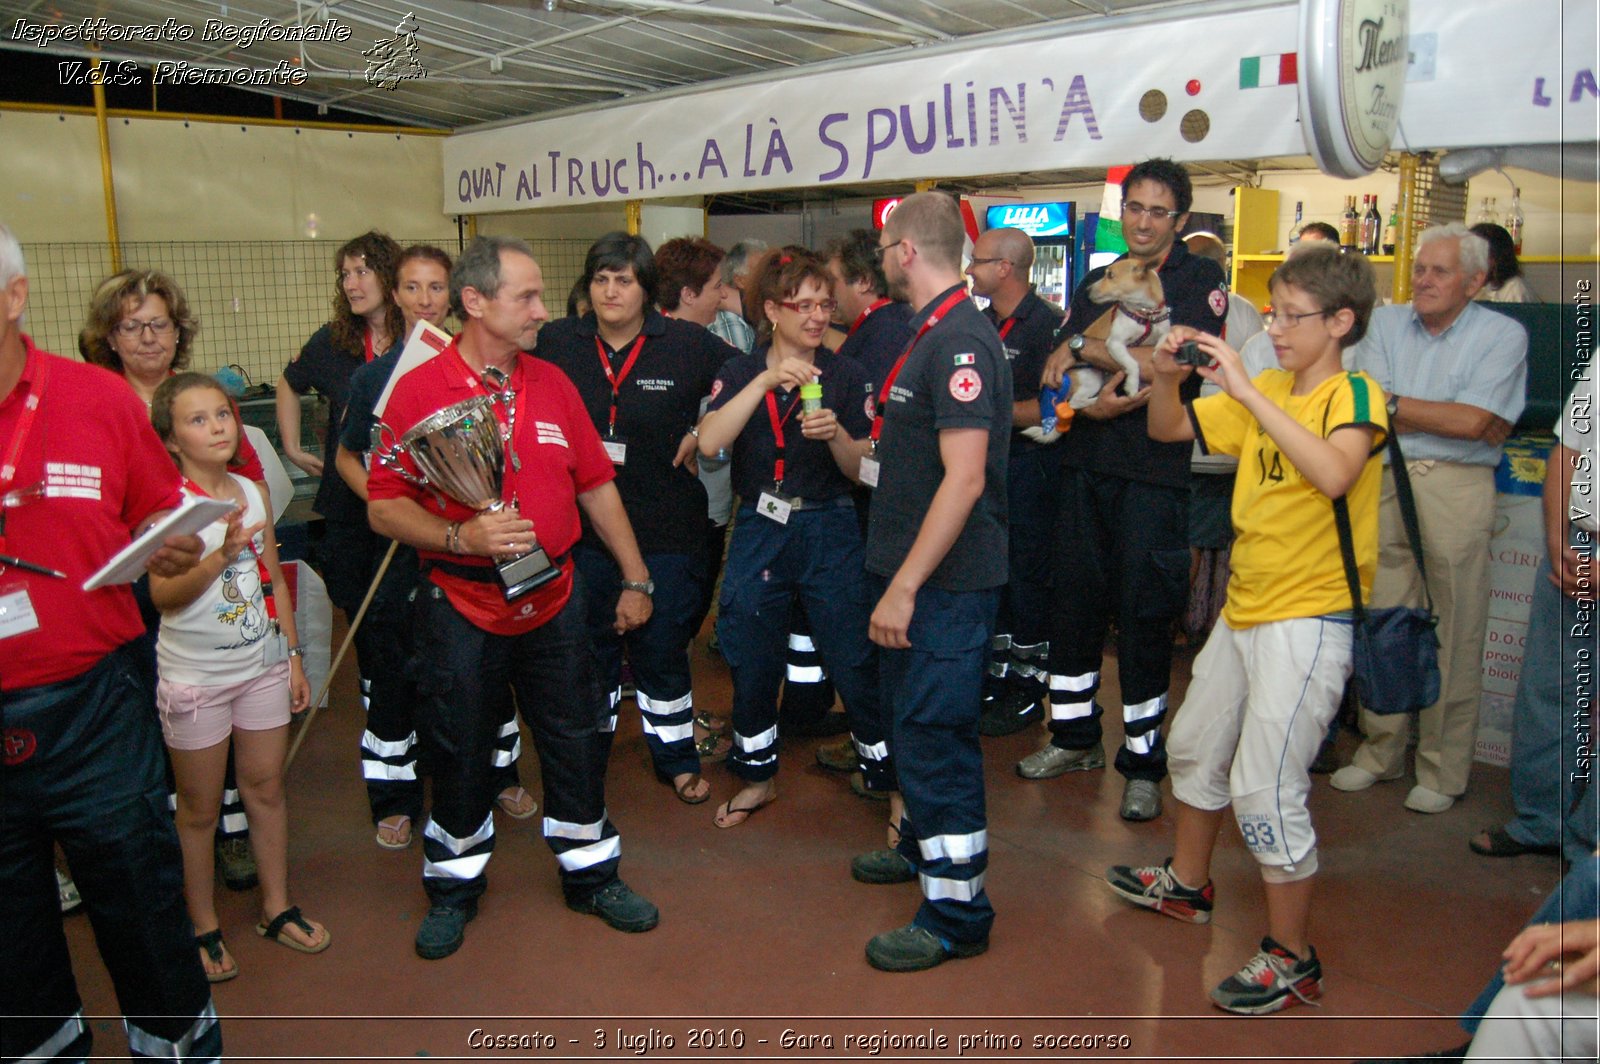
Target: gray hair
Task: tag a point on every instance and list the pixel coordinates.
(1474, 254)
(11, 264)
(478, 268)
(737, 260)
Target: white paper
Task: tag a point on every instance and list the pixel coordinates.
(422, 345)
(194, 514)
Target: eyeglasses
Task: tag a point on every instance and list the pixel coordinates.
(1134, 210)
(885, 247)
(133, 327)
(1289, 321)
(808, 307)
(985, 262)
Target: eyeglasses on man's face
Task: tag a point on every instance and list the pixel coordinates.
(1135, 209)
(885, 247)
(1289, 321)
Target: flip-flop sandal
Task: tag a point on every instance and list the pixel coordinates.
(727, 810)
(398, 826)
(211, 942)
(291, 915)
(686, 794)
(1502, 844)
(713, 749)
(512, 806)
(704, 719)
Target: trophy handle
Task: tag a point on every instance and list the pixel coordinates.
(386, 451)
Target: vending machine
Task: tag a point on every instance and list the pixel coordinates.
(1052, 227)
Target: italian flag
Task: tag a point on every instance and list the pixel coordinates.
(1108, 230)
(1265, 71)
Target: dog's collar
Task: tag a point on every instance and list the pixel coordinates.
(1148, 320)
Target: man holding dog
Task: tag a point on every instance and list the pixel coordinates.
(1015, 691)
(1122, 531)
(1456, 377)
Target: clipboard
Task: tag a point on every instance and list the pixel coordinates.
(129, 563)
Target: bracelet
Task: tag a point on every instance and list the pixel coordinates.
(452, 537)
(694, 430)
(297, 651)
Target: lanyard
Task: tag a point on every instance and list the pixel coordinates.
(864, 314)
(1005, 327)
(268, 601)
(888, 382)
(30, 410)
(367, 339)
(618, 377)
(777, 433)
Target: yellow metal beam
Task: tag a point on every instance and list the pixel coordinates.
(927, 184)
(635, 210)
(224, 120)
(1405, 234)
(107, 180)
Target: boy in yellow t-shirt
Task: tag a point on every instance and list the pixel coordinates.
(1270, 677)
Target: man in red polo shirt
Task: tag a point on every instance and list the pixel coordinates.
(476, 642)
(80, 471)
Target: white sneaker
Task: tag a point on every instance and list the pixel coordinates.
(1356, 778)
(1426, 800)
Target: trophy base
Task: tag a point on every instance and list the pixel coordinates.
(526, 572)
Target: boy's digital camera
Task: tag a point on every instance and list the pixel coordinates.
(1189, 354)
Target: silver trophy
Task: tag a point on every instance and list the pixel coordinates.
(461, 452)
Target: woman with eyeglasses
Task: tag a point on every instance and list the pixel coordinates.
(643, 376)
(140, 327)
(796, 456)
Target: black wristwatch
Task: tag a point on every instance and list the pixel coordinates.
(1393, 407)
(644, 587)
(1075, 343)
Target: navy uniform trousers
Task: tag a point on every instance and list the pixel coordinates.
(932, 693)
(817, 556)
(1021, 646)
(462, 675)
(83, 768)
(1122, 549)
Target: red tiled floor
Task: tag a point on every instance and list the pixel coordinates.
(762, 928)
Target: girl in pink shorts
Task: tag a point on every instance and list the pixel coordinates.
(229, 668)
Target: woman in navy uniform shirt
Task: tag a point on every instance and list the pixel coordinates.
(796, 532)
(642, 377)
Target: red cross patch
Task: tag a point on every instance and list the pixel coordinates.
(716, 388)
(19, 745)
(966, 385)
(1219, 302)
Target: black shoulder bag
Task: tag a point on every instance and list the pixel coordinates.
(1395, 650)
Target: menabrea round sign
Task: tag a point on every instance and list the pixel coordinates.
(1355, 54)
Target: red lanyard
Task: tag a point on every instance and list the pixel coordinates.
(30, 410)
(865, 314)
(888, 382)
(777, 432)
(617, 378)
(367, 339)
(1005, 327)
(268, 601)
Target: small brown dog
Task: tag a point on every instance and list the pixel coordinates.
(1140, 317)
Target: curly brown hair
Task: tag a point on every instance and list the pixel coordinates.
(382, 256)
(778, 276)
(110, 304)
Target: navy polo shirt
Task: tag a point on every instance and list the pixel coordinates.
(1197, 294)
(879, 340)
(955, 378)
(1028, 340)
(809, 469)
(657, 403)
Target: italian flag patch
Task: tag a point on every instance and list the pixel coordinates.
(966, 360)
(1265, 71)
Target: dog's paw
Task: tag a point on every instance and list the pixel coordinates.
(1037, 434)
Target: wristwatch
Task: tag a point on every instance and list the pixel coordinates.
(1393, 406)
(1075, 343)
(644, 587)
(297, 652)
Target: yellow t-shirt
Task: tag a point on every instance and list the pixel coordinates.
(1286, 560)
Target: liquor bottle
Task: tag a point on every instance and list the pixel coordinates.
(1349, 225)
(1371, 227)
(1299, 222)
(1514, 219)
(1391, 229)
(1484, 214)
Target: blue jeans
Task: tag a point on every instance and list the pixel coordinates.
(1545, 725)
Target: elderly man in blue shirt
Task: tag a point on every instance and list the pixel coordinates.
(1455, 374)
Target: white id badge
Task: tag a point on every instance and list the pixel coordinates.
(274, 648)
(774, 507)
(16, 612)
(616, 450)
(869, 472)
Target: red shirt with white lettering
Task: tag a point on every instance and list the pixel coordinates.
(561, 458)
(101, 472)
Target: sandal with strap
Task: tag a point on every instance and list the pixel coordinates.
(1498, 842)
(291, 915)
(713, 748)
(516, 803)
(211, 942)
(685, 790)
(399, 829)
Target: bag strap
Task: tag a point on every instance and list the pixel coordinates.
(1408, 509)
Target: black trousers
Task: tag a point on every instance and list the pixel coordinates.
(83, 768)
(463, 674)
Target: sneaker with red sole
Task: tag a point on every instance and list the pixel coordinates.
(1274, 979)
(1155, 887)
